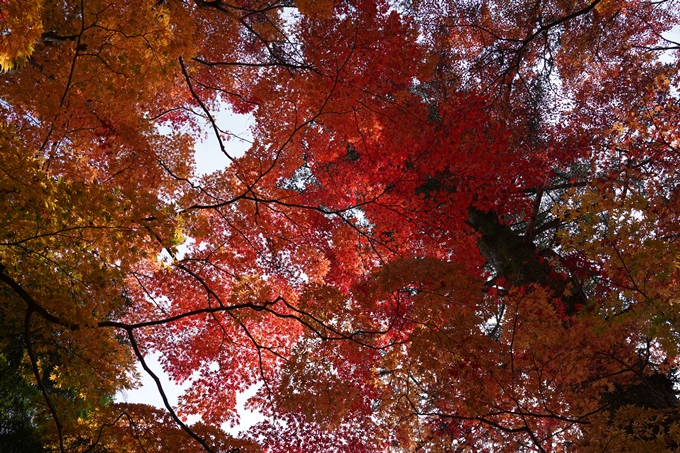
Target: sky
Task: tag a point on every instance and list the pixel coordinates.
(208, 156)
(148, 394)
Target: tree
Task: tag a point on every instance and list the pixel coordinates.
(19, 426)
(454, 230)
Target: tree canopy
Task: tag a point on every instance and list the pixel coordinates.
(456, 228)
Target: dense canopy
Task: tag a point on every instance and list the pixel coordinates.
(456, 228)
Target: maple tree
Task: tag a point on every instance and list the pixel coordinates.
(455, 229)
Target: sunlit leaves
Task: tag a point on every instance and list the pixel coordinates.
(20, 27)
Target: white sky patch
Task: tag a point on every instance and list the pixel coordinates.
(237, 139)
(236, 136)
(247, 418)
(670, 39)
(148, 394)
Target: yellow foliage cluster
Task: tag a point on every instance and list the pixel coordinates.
(20, 27)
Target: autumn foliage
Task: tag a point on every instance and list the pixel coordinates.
(455, 229)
